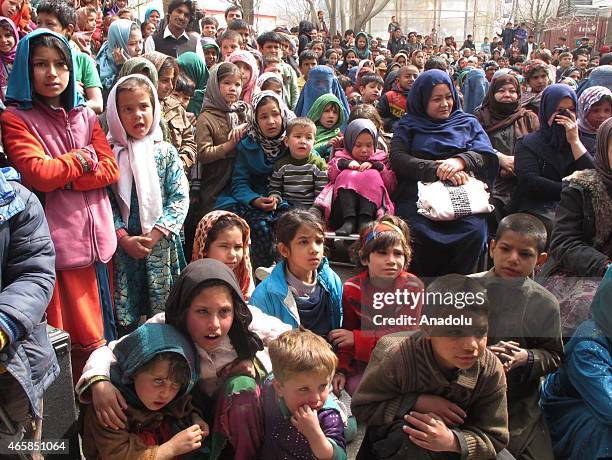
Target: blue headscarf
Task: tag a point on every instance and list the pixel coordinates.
(321, 80)
(440, 139)
(599, 76)
(118, 36)
(474, 89)
(19, 91)
(150, 10)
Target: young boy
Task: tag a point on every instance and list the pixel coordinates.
(347, 84)
(272, 64)
(154, 371)
(271, 45)
(229, 41)
(524, 330)
(308, 60)
(300, 176)
(184, 90)
(392, 105)
(209, 27)
(301, 420)
(370, 88)
(439, 392)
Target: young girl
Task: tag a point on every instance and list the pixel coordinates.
(224, 236)
(270, 81)
(384, 249)
(9, 37)
(362, 46)
(195, 68)
(360, 181)
(594, 107)
(150, 202)
(57, 145)
(124, 42)
(249, 70)
(329, 116)
(86, 20)
(20, 13)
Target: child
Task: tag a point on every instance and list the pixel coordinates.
(392, 105)
(212, 52)
(362, 46)
(301, 418)
(270, 81)
(302, 289)
(524, 328)
(184, 89)
(370, 88)
(124, 41)
(300, 176)
(328, 114)
(439, 390)
(9, 38)
(360, 181)
(154, 372)
(384, 249)
(191, 63)
(308, 60)
(230, 41)
(150, 202)
(64, 155)
(346, 84)
(249, 70)
(321, 80)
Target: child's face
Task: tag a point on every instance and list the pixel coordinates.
(270, 49)
(210, 317)
(165, 83)
(599, 113)
(135, 112)
(305, 252)
(50, 74)
(333, 60)
(149, 29)
(363, 148)
(538, 81)
(92, 19)
(50, 21)
(318, 48)
(272, 85)
(182, 98)
(304, 389)
(121, 3)
(349, 90)
(418, 60)
(330, 116)
(210, 57)
(300, 142)
(565, 61)
(386, 264)
(154, 387)
(269, 119)
(306, 65)
(228, 247)
(245, 72)
(274, 67)
(230, 87)
(371, 92)
(350, 56)
(228, 47)
(407, 77)
(440, 103)
(10, 7)
(459, 347)
(209, 30)
(134, 44)
(515, 255)
(7, 40)
(361, 43)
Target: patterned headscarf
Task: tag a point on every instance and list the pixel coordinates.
(249, 87)
(272, 148)
(587, 100)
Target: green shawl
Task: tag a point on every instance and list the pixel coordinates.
(195, 68)
(324, 135)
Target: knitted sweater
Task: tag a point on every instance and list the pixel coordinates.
(298, 181)
(402, 368)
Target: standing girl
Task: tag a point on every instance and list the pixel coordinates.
(20, 13)
(9, 37)
(150, 202)
(57, 145)
(249, 70)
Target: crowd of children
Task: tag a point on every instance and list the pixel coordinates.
(169, 178)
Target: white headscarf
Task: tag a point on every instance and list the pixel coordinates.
(136, 161)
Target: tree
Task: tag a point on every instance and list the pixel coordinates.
(541, 15)
(248, 8)
(361, 11)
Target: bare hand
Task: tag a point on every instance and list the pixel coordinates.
(506, 163)
(265, 203)
(353, 165)
(459, 178)
(337, 142)
(365, 166)
(448, 167)
(430, 433)
(238, 367)
(137, 247)
(342, 338)
(306, 421)
(119, 56)
(109, 405)
(449, 412)
(195, 418)
(187, 440)
(510, 354)
(338, 383)
(570, 125)
(236, 134)
(191, 117)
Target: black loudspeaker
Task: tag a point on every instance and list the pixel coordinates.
(59, 406)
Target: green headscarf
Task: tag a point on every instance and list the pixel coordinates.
(139, 65)
(324, 135)
(365, 53)
(195, 68)
(601, 308)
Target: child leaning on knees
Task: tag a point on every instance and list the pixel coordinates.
(301, 419)
(439, 392)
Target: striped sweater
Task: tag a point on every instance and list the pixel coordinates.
(298, 181)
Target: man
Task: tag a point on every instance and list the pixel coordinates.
(485, 46)
(322, 26)
(173, 40)
(521, 34)
(397, 42)
(232, 13)
(529, 47)
(507, 35)
(562, 44)
(393, 25)
(412, 43)
(581, 58)
(468, 43)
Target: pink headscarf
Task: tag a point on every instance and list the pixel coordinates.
(7, 58)
(248, 59)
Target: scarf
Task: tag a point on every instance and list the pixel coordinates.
(194, 67)
(321, 80)
(600, 307)
(208, 43)
(7, 58)
(324, 135)
(19, 91)
(118, 36)
(136, 162)
(272, 148)
(599, 76)
(587, 100)
(158, 59)
(474, 89)
(249, 87)
(243, 270)
(139, 65)
(214, 100)
(365, 53)
(495, 116)
(264, 77)
(22, 18)
(355, 128)
(149, 11)
(602, 163)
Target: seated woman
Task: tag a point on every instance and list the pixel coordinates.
(594, 107)
(436, 140)
(545, 157)
(577, 398)
(505, 122)
(581, 242)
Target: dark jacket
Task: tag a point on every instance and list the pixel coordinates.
(27, 277)
(396, 45)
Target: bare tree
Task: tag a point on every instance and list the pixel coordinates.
(541, 15)
(361, 11)
(296, 10)
(248, 8)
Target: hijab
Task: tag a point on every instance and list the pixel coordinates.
(207, 43)
(355, 128)
(272, 148)
(243, 270)
(139, 65)
(587, 100)
(150, 10)
(495, 116)
(118, 36)
(439, 138)
(9, 57)
(474, 88)
(602, 163)
(158, 60)
(136, 161)
(195, 68)
(324, 135)
(365, 53)
(191, 281)
(600, 307)
(390, 81)
(249, 88)
(321, 80)
(19, 91)
(599, 76)
(214, 100)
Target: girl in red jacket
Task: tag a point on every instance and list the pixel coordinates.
(383, 299)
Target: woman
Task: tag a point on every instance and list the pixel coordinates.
(436, 140)
(594, 107)
(545, 157)
(537, 77)
(321, 80)
(505, 122)
(474, 88)
(581, 243)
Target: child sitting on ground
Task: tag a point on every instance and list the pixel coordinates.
(299, 177)
(370, 88)
(392, 104)
(301, 419)
(329, 116)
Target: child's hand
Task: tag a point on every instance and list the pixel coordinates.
(306, 421)
(449, 412)
(365, 166)
(342, 338)
(191, 117)
(109, 404)
(137, 247)
(510, 354)
(238, 367)
(337, 142)
(430, 433)
(154, 235)
(338, 383)
(265, 203)
(201, 423)
(187, 440)
(353, 164)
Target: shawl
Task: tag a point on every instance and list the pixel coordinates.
(495, 116)
(397, 56)
(139, 65)
(272, 148)
(214, 100)
(587, 100)
(207, 43)
(599, 76)
(118, 36)
(158, 59)
(600, 308)
(390, 81)
(194, 67)
(19, 91)
(324, 135)
(150, 10)
(243, 270)
(365, 53)
(474, 89)
(321, 80)
(602, 162)
(136, 162)
(439, 138)
(249, 87)
(22, 19)
(7, 58)
(81, 19)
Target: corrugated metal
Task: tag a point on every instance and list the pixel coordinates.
(592, 27)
